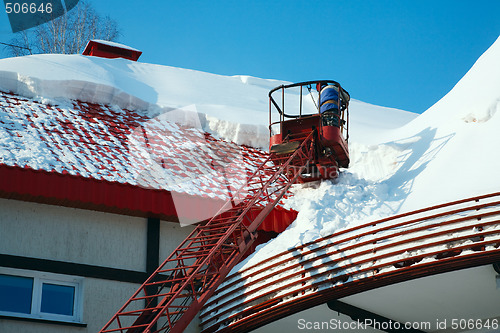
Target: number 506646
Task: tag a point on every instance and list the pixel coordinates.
(25, 8)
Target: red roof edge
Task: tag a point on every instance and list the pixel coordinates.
(67, 190)
(79, 192)
(98, 49)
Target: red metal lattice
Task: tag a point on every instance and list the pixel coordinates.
(177, 290)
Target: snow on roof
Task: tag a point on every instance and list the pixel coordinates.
(118, 145)
(234, 108)
(448, 153)
(114, 44)
(474, 99)
(454, 143)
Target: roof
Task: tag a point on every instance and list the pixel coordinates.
(114, 44)
(107, 49)
(104, 146)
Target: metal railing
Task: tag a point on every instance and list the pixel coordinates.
(283, 115)
(446, 237)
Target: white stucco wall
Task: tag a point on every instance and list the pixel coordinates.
(85, 237)
(72, 235)
(171, 235)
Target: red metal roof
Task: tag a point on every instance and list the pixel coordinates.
(106, 158)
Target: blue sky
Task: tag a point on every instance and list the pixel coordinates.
(397, 53)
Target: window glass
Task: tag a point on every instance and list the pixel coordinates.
(57, 299)
(15, 293)
(40, 295)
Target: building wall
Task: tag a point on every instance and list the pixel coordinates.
(72, 235)
(171, 235)
(108, 251)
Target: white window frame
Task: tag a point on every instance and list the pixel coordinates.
(36, 300)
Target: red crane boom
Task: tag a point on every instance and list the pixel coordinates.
(172, 296)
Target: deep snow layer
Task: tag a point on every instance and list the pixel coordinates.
(234, 108)
(448, 153)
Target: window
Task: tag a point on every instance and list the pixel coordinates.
(15, 293)
(32, 294)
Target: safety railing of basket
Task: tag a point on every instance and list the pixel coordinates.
(274, 106)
